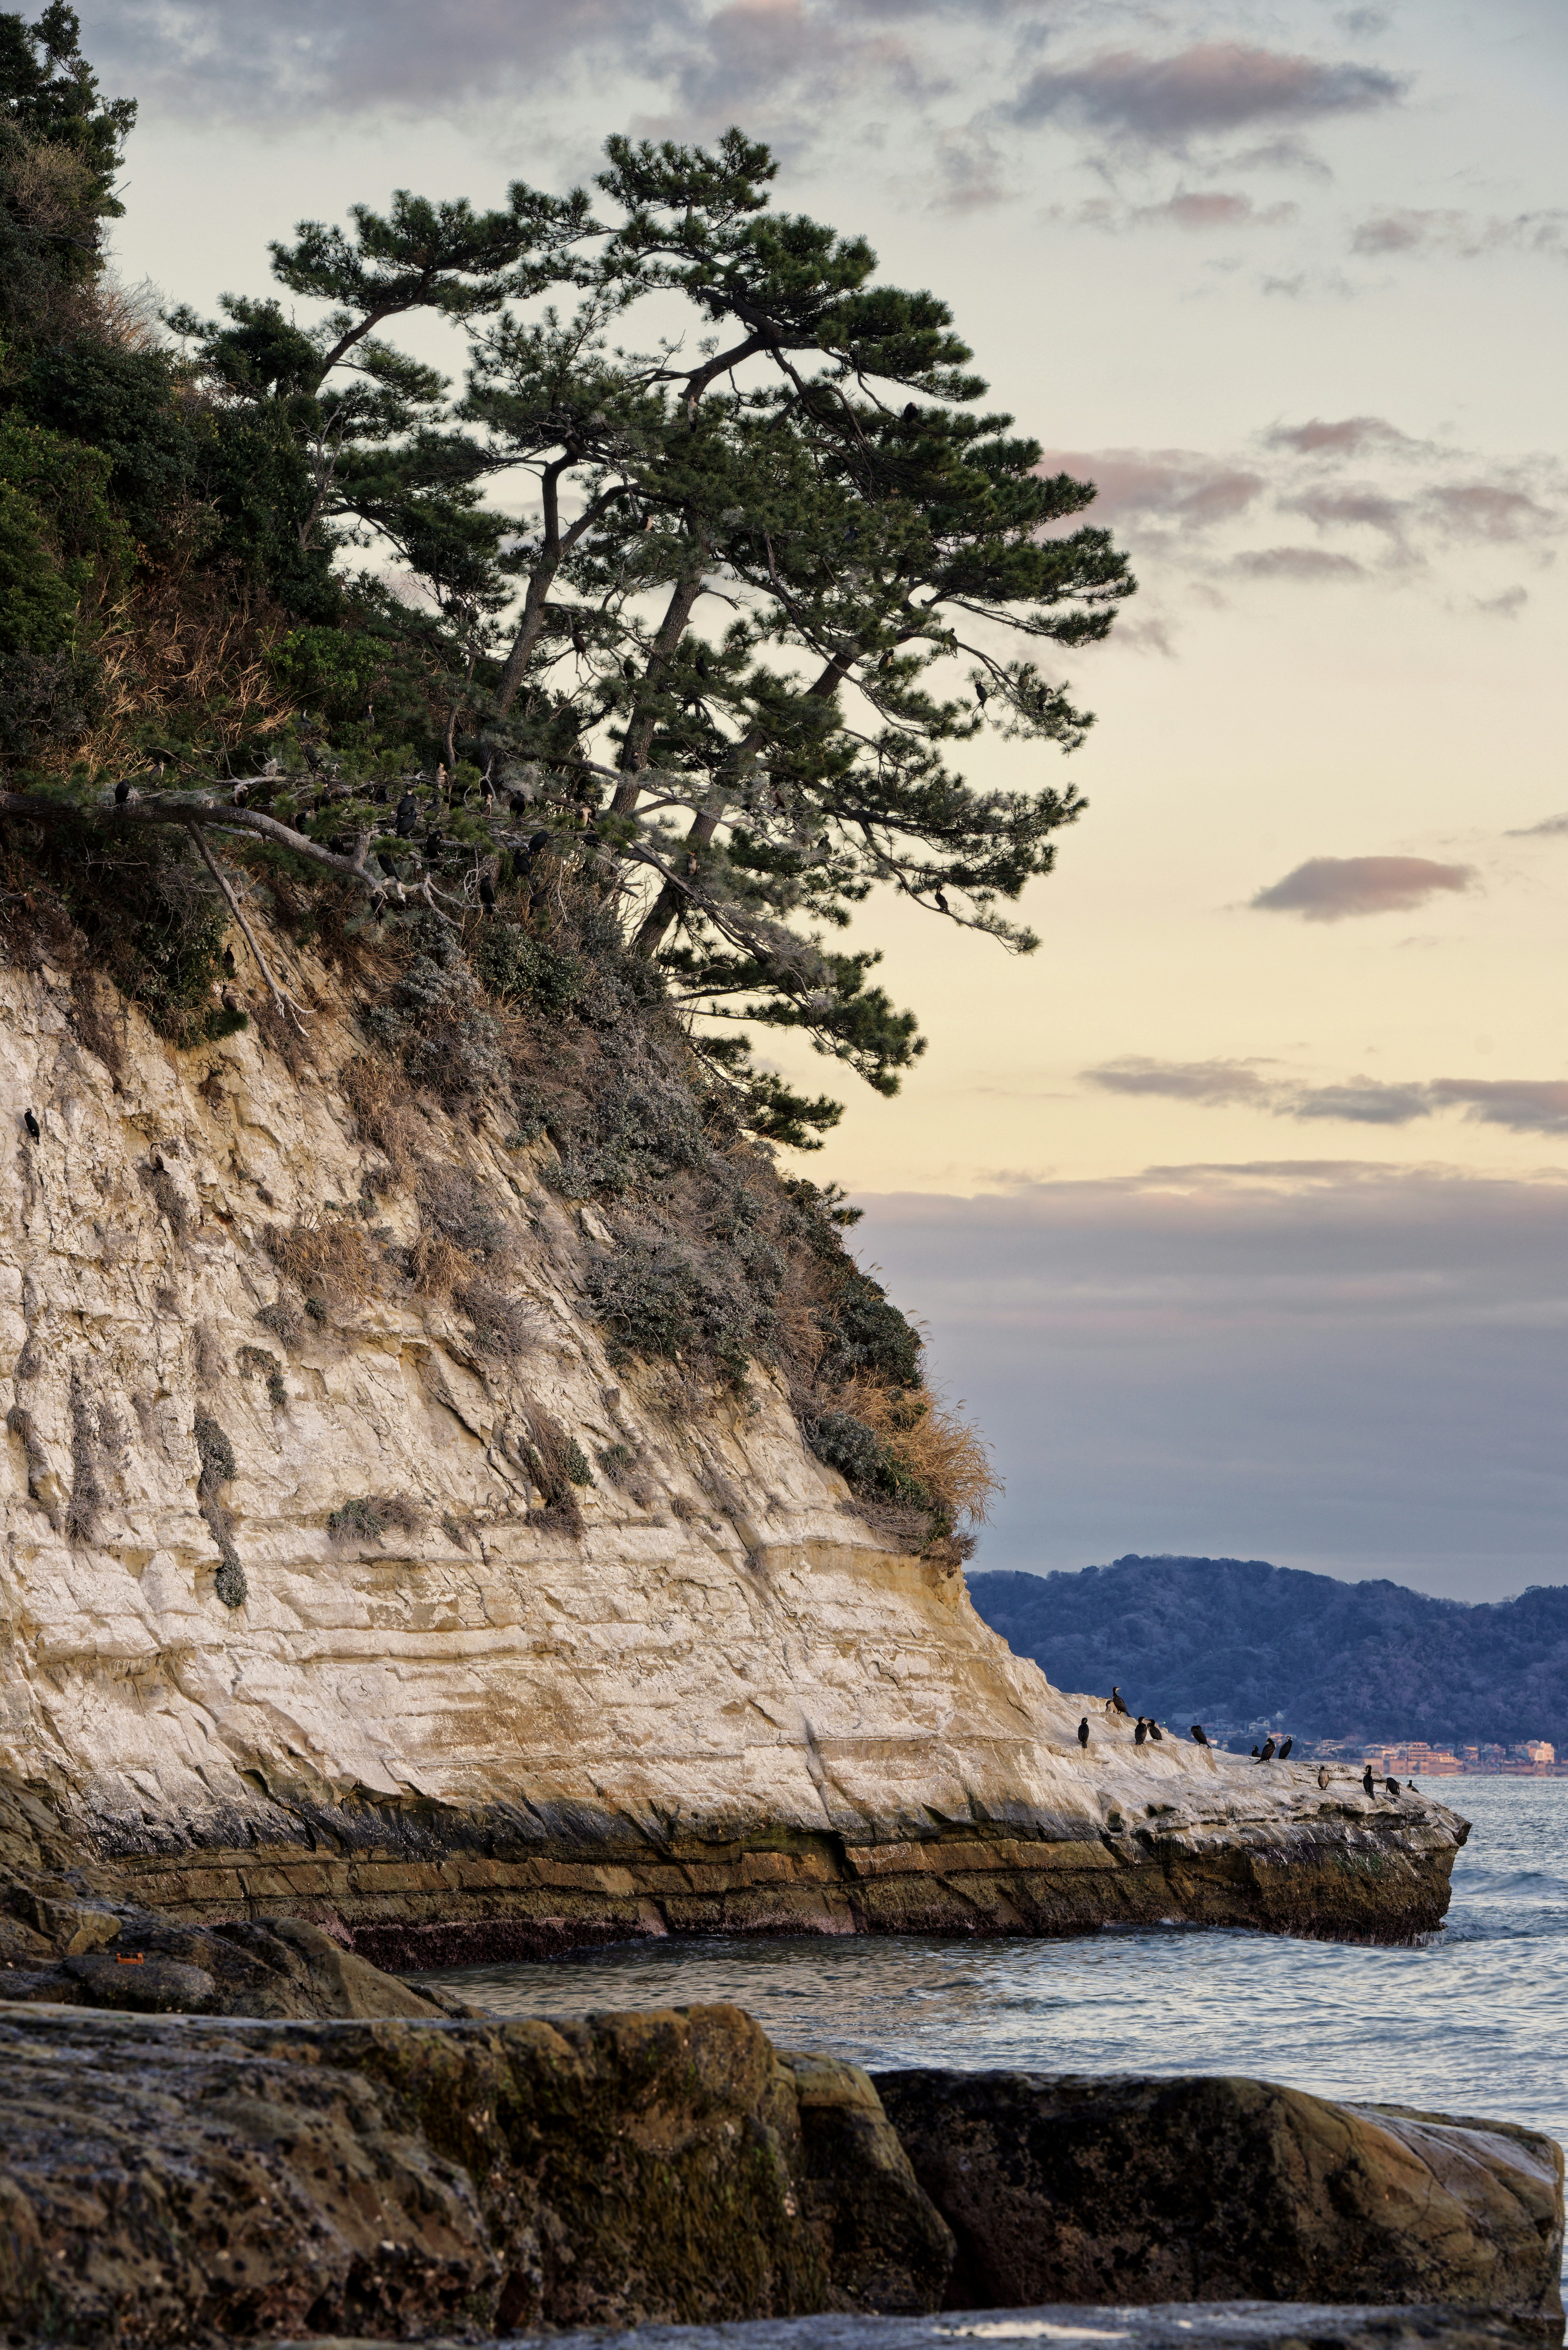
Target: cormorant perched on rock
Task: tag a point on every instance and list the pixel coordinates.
(1366, 1781)
(1116, 1702)
(1391, 1786)
(408, 816)
(1254, 1755)
(1083, 1726)
(1198, 1734)
(1285, 1745)
(1155, 1731)
(1267, 1754)
(1141, 1733)
(31, 1123)
(486, 891)
(1411, 1785)
(121, 793)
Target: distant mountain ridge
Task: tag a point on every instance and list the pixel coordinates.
(1230, 1639)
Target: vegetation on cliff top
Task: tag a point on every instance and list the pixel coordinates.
(569, 801)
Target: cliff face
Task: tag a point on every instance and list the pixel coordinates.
(306, 1605)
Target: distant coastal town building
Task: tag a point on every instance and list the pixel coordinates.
(1413, 1758)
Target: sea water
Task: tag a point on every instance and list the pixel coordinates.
(1475, 2021)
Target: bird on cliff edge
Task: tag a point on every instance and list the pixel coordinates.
(1198, 1734)
(31, 1123)
(1155, 1731)
(1084, 1731)
(1117, 1703)
(1285, 1747)
(1141, 1733)
(1267, 1754)
(1366, 1781)
(1391, 1786)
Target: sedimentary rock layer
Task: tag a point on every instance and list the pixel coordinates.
(288, 1622)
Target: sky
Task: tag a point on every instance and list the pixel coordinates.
(1237, 1211)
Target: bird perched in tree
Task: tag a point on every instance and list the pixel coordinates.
(1391, 1786)
(1199, 1735)
(940, 902)
(518, 803)
(981, 693)
(536, 841)
(385, 864)
(912, 413)
(486, 891)
(121, 793)
(1267, 1754)
(1155, 1731)
(432, 845)
(1141, 1733)
(379, 796)
(1285, 1749)
(1366, 1781)
(408, 816)
(1117, 1703)
(31, 1123)
(1084, 1731)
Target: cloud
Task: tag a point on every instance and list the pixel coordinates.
(1523, 1104)
(1330, 509)
(1211, 89)
(1158, 485)
(1485, 510)
(1350, 436)
(1550, 827)
(1460, 235)
(1215, 1083)
(1308, 563)
(1331, 888)
(1190, 208)
(1507, 604)
(1324, 1362)
(1364, 1102)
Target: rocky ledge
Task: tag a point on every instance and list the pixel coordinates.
(180, 2180)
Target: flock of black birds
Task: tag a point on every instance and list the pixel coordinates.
(1146, 1728)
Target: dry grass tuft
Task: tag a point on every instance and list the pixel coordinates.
(931, 1441)
(382, 1102)
(502, 1325)
(326, 1257)
(436, 1266)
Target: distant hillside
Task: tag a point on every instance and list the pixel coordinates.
(1229, 1639)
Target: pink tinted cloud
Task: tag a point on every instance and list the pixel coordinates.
(1310, 565)
(1333, 889)
(1525, 1105)
(1159, 484)
(1214, 87)
(1348, 436)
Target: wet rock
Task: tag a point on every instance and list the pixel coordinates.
(143, 1986)
(889, 2247)
(163, 2181)
(1218, 2189)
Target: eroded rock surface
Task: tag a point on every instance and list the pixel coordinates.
(1218, 2189)
(290, 1627)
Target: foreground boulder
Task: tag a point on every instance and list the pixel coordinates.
(1214, 2188)
(164, 2180)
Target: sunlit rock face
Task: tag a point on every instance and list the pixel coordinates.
(306, 1606)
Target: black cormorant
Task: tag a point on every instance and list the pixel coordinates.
(1267, 1754)
(940, 902)
(1155, 1731)
(912, 413)
(31, 1123)
(486, 891)
(380, 795)
(518, 803)
(1285, 1745)
(1141, 1733)
(1197, 1734)
(121, 793)
(1083, 1726)
(385, 864)
(1391, 1786)
(1116, 1702)
(1366, 1781)
(408, 816)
